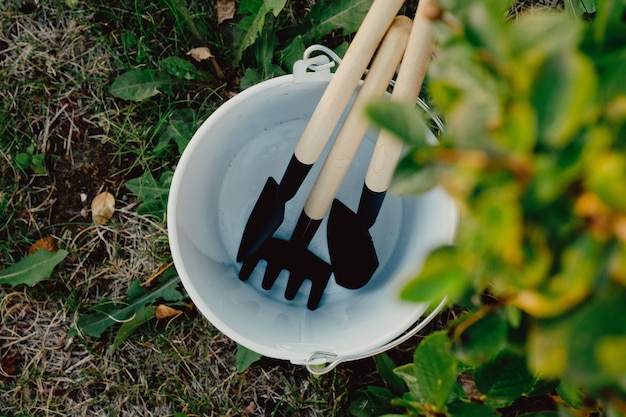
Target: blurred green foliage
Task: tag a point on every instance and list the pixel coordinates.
(534, 154)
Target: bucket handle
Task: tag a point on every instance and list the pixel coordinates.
(330, 360)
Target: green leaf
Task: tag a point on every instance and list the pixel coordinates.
(142, 317)
(180, 128)
(110, 314)
(385, 367)
(374, 402)
(470, 409)
(607, 178)
(245, 357)
(253, 24)
(139, 84)
(405, 121)
(22, 160)
(484, 338)
(519, 131)
(563, 96)
(589, 359)
(37, 163)
(292, 52)
(432, 376)
(443, 275)
(32, 268)
(572, 396)
(152, 193)
(504, 378)
(250, 77)
(129, 40)
(548, 344)
(181, 68)
(414, 176)
(264, 51)
(328, 16)
(499, 215)
(610, 353)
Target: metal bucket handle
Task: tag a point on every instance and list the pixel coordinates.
(320, 363)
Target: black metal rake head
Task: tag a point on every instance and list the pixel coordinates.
(301, 264)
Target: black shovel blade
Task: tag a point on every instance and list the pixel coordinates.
(266, 217)
(350, 246)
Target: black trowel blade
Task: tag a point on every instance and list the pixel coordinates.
(352, 253)
(266, 217)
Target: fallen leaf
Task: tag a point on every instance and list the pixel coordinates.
(10, 363)
(102, 207)
(48, 243)
(200, 54)
(225, 10)
(163, 312)
(251, 408)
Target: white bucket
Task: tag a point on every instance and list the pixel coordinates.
(217, 182)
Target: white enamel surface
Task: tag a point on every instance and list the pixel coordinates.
(216, 184)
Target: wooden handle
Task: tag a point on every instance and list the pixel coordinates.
(355, 126)
(408, 84)
(345, 80)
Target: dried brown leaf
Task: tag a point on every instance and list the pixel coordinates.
(48, 243)
(250, 408)
(225, 10)
(163, 312)
(102, 207)
(200, 54)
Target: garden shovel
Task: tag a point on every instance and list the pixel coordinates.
(269, 210)
(351, 249)
(293, 255)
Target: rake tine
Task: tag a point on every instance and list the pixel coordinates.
(248, 266)
(271, 274)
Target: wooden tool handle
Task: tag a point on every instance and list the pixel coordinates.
(408, 84)
(345, 80)
(355, 126)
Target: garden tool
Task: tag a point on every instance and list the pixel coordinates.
(293, 255)
(351, 249)
(269, 210)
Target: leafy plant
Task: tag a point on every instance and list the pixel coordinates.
(253, 21)
(153, 194)
(533, 153)
(32, 160)
(140, 84)
(263, 26)
(135, 310)
(179, 128)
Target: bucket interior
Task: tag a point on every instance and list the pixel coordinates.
(216, 184)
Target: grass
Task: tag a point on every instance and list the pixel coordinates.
(56, 64)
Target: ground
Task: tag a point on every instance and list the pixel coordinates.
(56, 64)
